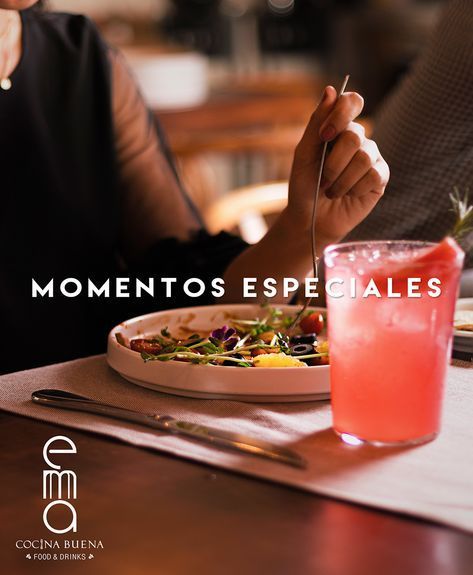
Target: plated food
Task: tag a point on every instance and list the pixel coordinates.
(263, 341)
(464, 320)
(149, 351)
(463, 333)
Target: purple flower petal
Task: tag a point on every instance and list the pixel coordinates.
(229, 332)
(225, 335)
(231, 343)
(219, 333)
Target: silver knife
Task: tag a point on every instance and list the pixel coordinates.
(216, 437)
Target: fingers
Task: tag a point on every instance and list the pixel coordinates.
(374, 180)
(331, 117)
(347, 108)
(345, 147)
(354, 166)
(359, 164)
(308, 149)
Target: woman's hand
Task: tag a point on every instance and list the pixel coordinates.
(354, 177)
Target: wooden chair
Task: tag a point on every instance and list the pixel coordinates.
(245, 132)
(244, 210)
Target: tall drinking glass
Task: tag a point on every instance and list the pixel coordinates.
(389, 353)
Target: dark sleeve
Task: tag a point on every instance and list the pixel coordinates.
(205, 257)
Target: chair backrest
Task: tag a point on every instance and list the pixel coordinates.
(245, 209)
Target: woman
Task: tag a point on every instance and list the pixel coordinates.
(88, 190)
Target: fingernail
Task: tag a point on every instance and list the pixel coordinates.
(328, 133)
(329, 193)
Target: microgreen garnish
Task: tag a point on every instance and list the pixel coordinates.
(165, 332)
(235, 344)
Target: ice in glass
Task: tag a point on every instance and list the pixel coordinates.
(389, 355)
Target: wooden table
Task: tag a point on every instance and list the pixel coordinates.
(161, 515)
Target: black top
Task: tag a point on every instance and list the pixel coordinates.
(60, 211)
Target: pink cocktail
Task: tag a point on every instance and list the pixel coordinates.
(389, 355)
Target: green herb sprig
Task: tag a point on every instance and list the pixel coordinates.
(464, 223)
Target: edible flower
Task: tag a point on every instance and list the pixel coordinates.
(224, 337)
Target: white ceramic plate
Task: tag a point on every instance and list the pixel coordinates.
(280, 384)
(465, 303)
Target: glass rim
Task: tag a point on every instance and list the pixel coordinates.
(335, 252)
(344, 246)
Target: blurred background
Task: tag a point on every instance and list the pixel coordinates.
(233, 82)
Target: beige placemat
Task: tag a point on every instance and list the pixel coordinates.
(432, 481)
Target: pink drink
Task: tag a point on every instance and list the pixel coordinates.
(389, 356)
